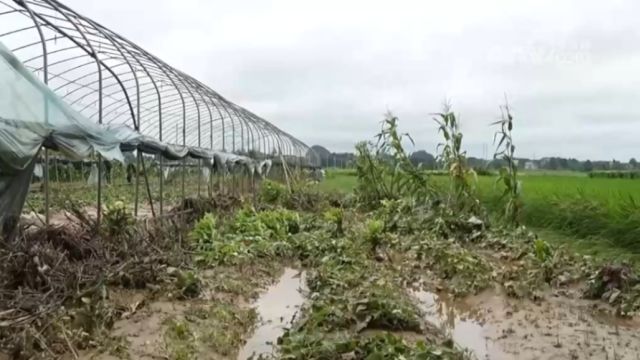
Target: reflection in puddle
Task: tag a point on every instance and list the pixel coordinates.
(277, 309)
(464, 328)
(494, 327)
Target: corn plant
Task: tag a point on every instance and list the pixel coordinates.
(385, 170)
(463, 178)
(508, 174)
(409, 179)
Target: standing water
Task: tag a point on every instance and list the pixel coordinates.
(492, 326)
(277, 308)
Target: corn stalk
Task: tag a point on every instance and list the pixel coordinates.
(508, 174)
(462, 177)
(385, 170)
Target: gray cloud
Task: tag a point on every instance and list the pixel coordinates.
(327, 71)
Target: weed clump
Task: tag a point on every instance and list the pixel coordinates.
(248, 235)
(376, 346)
(194, 208)
(617, 285)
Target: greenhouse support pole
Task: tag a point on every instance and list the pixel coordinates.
(161, 181)
(146, 181)
(137, 190)
(184, 144)
(99, 210)
(45, 75)
(46, 179)
(199, 173)
(55, 167)
(184, 167)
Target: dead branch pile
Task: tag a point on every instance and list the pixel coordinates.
(54, 281)
(194, 208)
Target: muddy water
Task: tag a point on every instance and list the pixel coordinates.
(277, 308)
(495, 327)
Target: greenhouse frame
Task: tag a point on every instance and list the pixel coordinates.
(111, 90)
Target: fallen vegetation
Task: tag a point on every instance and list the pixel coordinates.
(365, 256)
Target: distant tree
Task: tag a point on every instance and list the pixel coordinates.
(553, 164)
(575, 165)
(496, 164)
(427, 160)
(588, 166)
(616, 165)
(633, 163)
(477, 163)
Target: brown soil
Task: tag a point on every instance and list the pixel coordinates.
(495, 327)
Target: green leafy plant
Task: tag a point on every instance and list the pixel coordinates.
(118, 221)
(180, 340)
(335, 216)
(272, 192)
(542, 250)
(189, 284)
(373, 233)
(205, 230)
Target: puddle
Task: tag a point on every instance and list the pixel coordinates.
(277, 309)
(460, 321)
(494, 327)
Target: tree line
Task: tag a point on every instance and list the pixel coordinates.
(429, 161)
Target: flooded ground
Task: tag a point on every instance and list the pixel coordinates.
(277, 308)
(495, 327)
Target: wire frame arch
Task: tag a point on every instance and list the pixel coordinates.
(113, 81)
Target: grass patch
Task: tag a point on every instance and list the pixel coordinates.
(600, 215)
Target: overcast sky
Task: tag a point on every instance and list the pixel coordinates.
(327, 71)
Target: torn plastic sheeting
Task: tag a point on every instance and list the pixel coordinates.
(220, 161)
(175, 152)
(19, 143)
(38, 171)
(209, 163)
(32, 116)
(200, 153)
(130, 157)
(205, 172)
(265, 167)
(149, 145)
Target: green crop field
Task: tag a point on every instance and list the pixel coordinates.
(599, 216)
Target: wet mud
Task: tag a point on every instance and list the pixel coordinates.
(495, 327)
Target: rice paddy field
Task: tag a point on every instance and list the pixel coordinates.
(597, 216)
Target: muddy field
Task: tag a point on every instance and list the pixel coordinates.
(297, 273)
(488, 325)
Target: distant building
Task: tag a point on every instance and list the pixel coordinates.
(530, 165)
